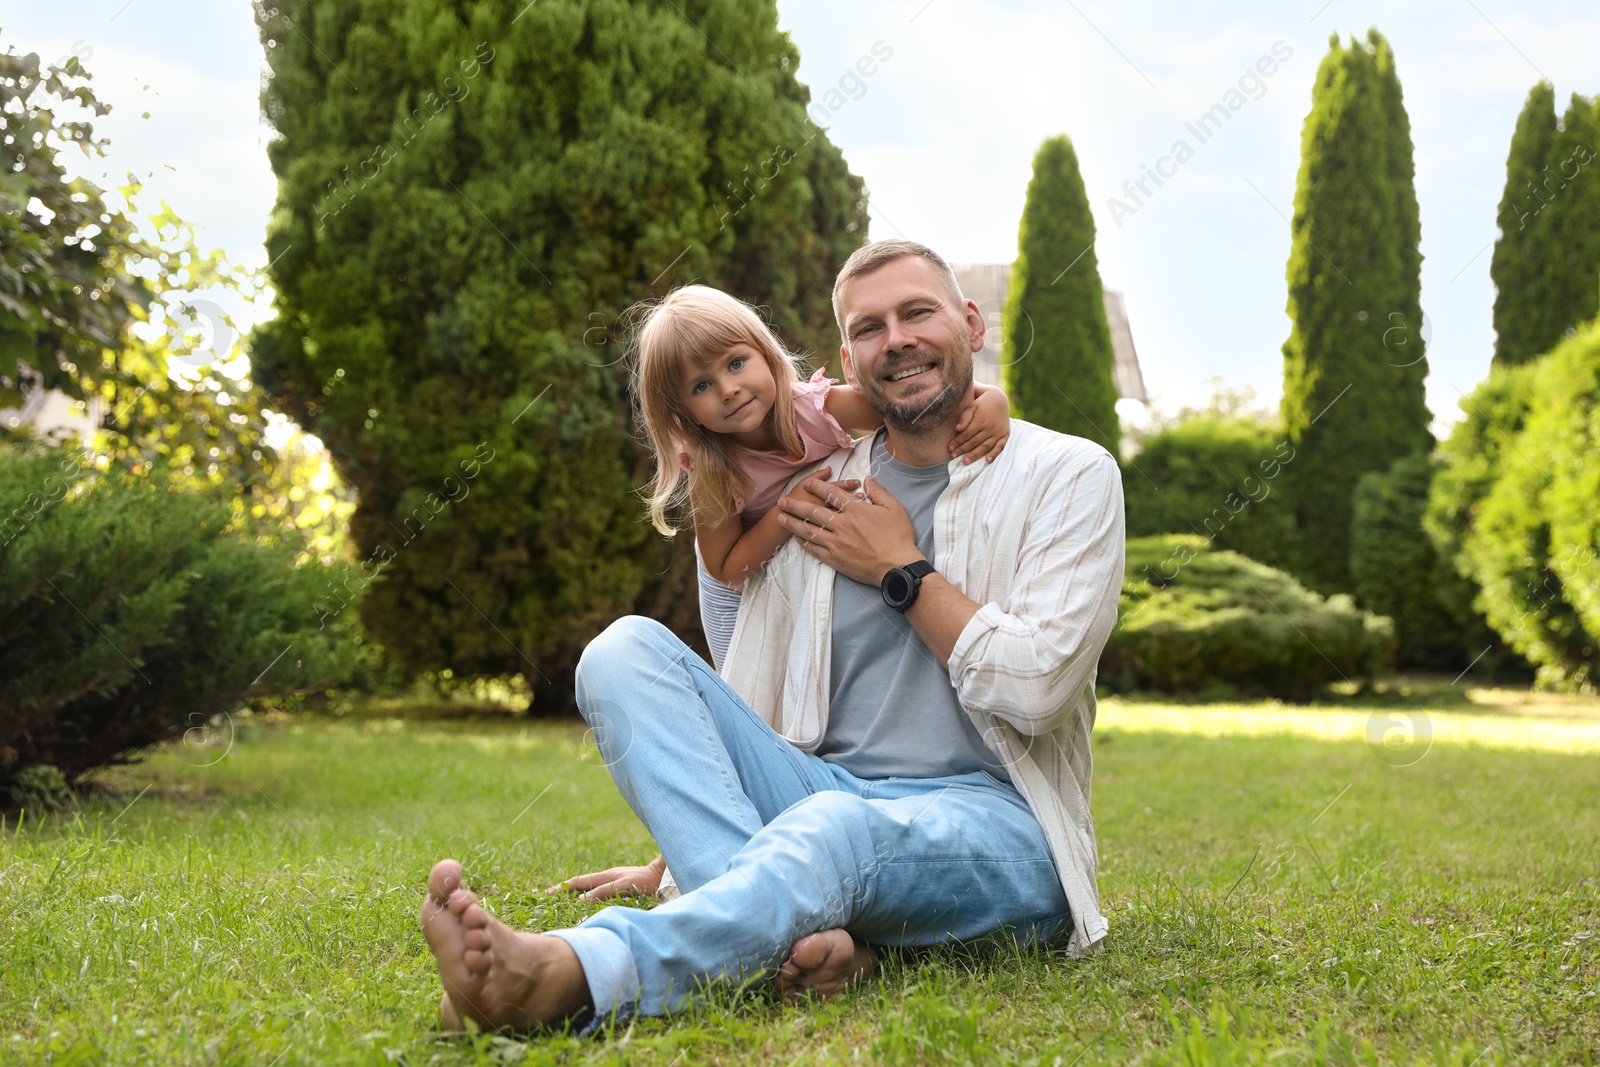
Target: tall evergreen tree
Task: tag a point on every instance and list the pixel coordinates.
(1546, 265)
(1524, 320)
(1355, 359)
(470, 196)
(1058, 355)
(1570, 185)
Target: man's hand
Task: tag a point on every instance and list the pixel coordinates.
(616, 882)
(861, 537)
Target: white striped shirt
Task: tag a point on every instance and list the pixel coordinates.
(1037, 539)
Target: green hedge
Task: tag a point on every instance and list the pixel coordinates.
(131, 612)
(1399, 572)
(1470, 458)
(1197, 620)
(1531, 536)
(1216, 476)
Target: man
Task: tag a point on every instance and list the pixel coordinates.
(921, 662)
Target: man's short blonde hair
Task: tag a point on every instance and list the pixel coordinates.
(870, 257)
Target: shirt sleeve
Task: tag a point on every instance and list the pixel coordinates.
(811, 413)
(1024, 660)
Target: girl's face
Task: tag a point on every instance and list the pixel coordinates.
(734, 394)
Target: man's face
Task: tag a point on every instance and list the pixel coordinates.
(908, 344)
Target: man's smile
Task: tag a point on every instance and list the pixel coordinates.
(905, 373)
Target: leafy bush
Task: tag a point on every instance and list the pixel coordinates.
(470, 196)
(42, 788)
(1216, 476)
(72, 244)
(1531, 543)
(1470, 458)
(130, 612)
(1399, 573)
(1195, 619)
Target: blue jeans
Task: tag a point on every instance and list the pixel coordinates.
(769, 843)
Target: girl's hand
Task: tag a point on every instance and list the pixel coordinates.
(615, 882)
(984, 426)
(809, 491)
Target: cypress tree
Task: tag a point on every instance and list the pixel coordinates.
(1570, 186)
(1355, 359)
(470, 196)
(1546, 266)
(1524, 321)
(1058, 355)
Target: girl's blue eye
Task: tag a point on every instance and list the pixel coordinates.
(736, 363)
(699, 386)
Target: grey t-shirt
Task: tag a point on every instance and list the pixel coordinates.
(892, 711)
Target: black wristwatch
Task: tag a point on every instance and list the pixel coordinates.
(901, 585)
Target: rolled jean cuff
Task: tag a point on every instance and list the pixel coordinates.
(608, 968)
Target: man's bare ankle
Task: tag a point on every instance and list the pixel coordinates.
(564, 979)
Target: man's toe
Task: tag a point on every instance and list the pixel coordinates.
(444, 879)
(811, 951)
(449, 1018)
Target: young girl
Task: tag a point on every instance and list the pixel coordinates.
(731, 422)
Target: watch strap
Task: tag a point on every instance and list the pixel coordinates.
(912, 574)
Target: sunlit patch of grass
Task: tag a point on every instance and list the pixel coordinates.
(1528, 731)
(1276, 897)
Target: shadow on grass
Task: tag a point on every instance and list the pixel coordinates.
(1404, 691)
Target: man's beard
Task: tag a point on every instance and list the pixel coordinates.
(923, 415)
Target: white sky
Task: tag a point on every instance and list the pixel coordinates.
(945, 130)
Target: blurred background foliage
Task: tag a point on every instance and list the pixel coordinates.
(403, 451)
(1204, 621)
(456, 244)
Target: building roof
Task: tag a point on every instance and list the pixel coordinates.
(986, 284)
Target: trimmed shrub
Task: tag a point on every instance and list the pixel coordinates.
(1399, 573)
(1198, 620)
(1531, 544)
(1471, 457)
(1215, 476)
(130, 613)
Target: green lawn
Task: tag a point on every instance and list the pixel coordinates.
(1292, 896)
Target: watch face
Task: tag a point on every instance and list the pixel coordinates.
(896, 587)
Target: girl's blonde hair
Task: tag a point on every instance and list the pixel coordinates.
(687, 330)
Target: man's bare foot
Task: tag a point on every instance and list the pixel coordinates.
(825, 963)
(492, 974)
